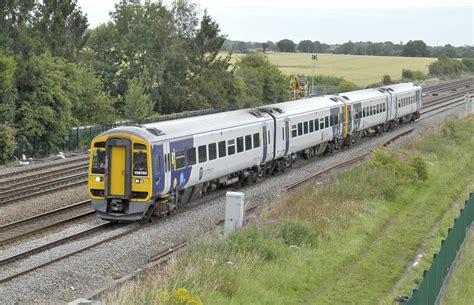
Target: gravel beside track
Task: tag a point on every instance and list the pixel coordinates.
(43, 203)
(91, 270)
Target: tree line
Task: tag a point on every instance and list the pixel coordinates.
(149, 59)
(413, 48)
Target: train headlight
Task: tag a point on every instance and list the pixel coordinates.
(99, 179)
(139, 181)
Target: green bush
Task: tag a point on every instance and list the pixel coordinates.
(446, 66)
(7, 142)
(412, 75)
(386, 80)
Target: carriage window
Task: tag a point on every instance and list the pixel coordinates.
(248, 142)
(202, 153)
(311, 126)
(269, 138)
(222, 150)
(331, 120)
(98, 162)
(156, 164)
(336, 119)
(191, 155)
(256, 140)
(231, 147)
(212, 151)
(300, 129)
(139, 164)
(316, 125)
(240, 144)
(294, 131)
(283, 133)
(326, 121)
(321, 123)
(180, 161)
(305, 124)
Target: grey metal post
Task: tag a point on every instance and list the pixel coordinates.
(234, 211)
(314, 57)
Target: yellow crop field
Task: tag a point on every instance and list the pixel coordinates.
(360, 69)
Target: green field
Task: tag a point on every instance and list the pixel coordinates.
(360, 69)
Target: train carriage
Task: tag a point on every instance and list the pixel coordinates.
(134, 170)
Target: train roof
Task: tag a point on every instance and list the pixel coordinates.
(303, 105)
(360, 95)
(402, 87)
(162, 131)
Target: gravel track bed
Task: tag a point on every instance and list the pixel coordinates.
(48, 234)
(87, 272)
(43, 203)
(54, 162)
(13, 249)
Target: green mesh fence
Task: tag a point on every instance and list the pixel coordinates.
(433, 279)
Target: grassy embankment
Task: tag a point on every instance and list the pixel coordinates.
(460, 290)
(359, 69)
(352, 241)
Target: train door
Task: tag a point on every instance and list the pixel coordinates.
(264, 142)
(287, 135)
(158, 173)
(180, 172)
(167, 167)
(393, 106)
(118, 168)
(389, 109)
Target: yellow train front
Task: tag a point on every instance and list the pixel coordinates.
(120, 181)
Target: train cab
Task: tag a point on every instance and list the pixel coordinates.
(120, 180)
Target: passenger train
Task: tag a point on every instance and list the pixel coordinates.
(137, 171)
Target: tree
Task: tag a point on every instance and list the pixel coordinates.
(265, 47)
(415, 48)
(346, 48)
(263, 81)
(61, 27)
(306, 46)
(44, 105)
(91, 104)
(7, 92)
(138, 105)
(286, 45)
(7, 142)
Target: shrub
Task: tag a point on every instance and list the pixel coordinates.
(7, 142)
(412, 75)
(446, 66)
(386, 80)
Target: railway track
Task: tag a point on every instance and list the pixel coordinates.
(33, 225)
(30, 169)
(16, 182)
(41, 188)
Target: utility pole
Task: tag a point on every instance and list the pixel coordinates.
(314, 58)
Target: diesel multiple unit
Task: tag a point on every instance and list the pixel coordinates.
(153, 168)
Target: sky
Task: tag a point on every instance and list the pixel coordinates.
(437, 22)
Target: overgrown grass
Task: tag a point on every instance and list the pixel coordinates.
(351, 241)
